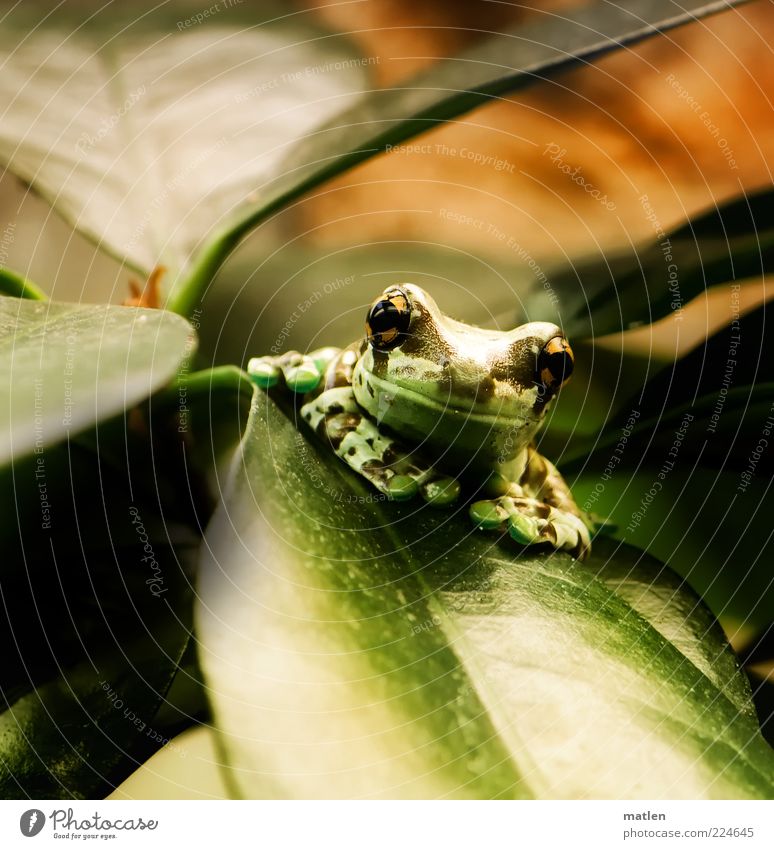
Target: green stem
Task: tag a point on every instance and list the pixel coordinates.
(192, 286)
(16, 286)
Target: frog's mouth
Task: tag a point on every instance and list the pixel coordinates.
(379, 398)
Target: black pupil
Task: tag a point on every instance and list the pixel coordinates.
(384, 317)
(388, 320)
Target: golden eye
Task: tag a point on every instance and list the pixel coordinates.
(555, 363)
(388, 320)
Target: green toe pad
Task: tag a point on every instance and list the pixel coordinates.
(322, 357)
(262, 372)
(522, 529)
(486, 515)
(303, 378)
(442, 492)
(401, 488)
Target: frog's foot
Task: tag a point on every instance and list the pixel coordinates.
(300, 373)
(531, 521)
(338, 420)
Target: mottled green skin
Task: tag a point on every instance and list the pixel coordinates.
(451, 403)
(467, 395)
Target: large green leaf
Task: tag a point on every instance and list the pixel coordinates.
(144, 126)
(64, 367)
(358, 648)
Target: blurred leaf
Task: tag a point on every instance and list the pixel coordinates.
(144, 127)
(82, 733)
(64, 367)
(296, 297)
(684, 468)
(163, 126)
(96, 582)
(722, 390)
(358, 648)
(96, 589)
(502, 64)
(640, 285)
(293, 296)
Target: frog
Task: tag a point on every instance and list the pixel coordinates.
(424, 405)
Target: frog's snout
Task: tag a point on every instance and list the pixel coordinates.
(467, 380)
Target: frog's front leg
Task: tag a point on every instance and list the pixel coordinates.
(335, 416)
(538, 508)
(299, 373)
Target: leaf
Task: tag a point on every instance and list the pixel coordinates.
(721, 390)
(100, 585)
(96, 589)
(165, 128)
(357, 648)
(78, 503)
(96, 583)
(296, 296)
(64, 367)
(684, 468)
(624, 289)
(80, 734)
(503, 64)
(694, 517)
(144, 129)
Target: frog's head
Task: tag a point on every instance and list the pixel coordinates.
(441, 381)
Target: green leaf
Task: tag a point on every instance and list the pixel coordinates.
(64, 367)
(96, 583)
(695, 518)
(155, 124)
(83, 732)
(97, 587)
(684, 467)
(721, 390)
(96, 580)
(624, 289)
(358, 648)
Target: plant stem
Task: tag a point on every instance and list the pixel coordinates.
(17, 287)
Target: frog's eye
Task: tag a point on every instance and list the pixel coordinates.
(388, 320)
(555, 363)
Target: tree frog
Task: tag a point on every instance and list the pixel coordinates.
(426, 405)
